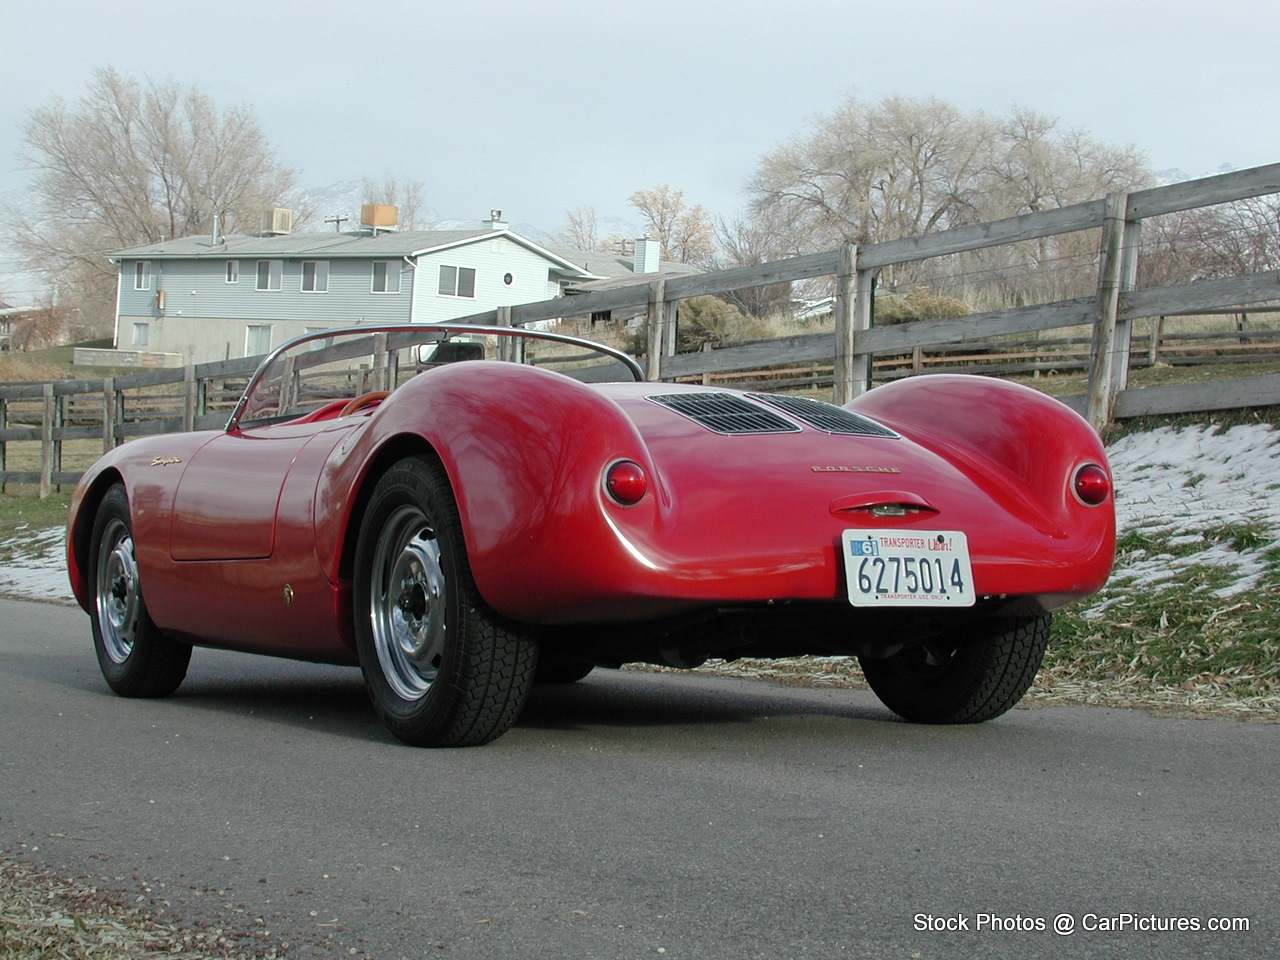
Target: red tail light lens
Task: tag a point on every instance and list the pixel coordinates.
(626, 482)
(1092, 486)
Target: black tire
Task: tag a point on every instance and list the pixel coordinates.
(966, 677)
(441, 667)
(554, 668)
(137, 660)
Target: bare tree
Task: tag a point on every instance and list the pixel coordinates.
(130, 163)
(1236, 238)
(905, 167)
(39, 327)
(869, 173)
(747, 243)
(582, 231)
(408, 196)
(687, 234)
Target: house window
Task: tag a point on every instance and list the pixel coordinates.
(269, 272)
(320, 343)
(233, 271)
(315, 276)
(457, 281)
(141, 334)
(257, 339)
(142, 275)
(386, 276)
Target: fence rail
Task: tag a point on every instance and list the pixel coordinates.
(165, 400)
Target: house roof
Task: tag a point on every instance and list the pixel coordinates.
(614, 269)
(331, 246)
(585, 269)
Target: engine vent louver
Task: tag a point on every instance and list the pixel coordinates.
(725, 413)
(824, 416)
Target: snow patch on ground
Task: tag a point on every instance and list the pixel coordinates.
(40, 572)
(1177, 485)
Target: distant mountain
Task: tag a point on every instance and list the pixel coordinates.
(1176, 175)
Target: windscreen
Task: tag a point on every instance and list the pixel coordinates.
(316, 371)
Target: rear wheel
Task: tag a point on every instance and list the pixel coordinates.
(137, 660)
(969, 676)
(441, 667)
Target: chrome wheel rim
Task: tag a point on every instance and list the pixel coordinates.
(407, 603)
(119, 596)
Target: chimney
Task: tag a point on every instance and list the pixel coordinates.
(495, 221)
(647, 255)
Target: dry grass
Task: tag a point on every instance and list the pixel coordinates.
(44, 916)
(18, 368)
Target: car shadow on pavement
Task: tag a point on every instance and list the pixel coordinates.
(332, 700)
(626, 698)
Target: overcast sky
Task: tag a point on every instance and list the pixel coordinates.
(537, 108)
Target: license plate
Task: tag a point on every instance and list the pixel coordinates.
(886, 568)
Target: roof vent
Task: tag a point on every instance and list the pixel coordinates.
(277, 221)
(495, 221)
(379, 216)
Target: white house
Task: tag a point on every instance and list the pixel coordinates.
(212, 297)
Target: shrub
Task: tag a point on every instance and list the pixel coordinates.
(917, 305)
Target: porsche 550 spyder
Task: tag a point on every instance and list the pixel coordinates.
(463, 511)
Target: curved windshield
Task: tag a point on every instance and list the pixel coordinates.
(316, 371)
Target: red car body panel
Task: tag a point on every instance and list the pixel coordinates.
(244, 538)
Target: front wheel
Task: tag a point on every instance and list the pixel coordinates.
(137, 660)
(968, 676)
(441, 667)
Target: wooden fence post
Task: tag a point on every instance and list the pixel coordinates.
(669, 321)
(380, 363)
(108, 413)
(1101, 395)
(47, 411)
(845, 379)
(189, 398)
(509, 348)
(117, 416)
(503, 319)
(60, 402)
(656, 318)
(863, 310)
(1131, 243)
(1153, 347)
(202, 396)
(4, 424)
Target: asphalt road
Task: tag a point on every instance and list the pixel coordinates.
(636, 815)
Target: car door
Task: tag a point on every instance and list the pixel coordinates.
(226, 503)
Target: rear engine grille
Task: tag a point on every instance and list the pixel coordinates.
(824, 416)
(725, 413)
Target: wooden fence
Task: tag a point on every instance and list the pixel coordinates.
(114, 409)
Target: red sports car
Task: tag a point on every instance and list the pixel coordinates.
(464, 511)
